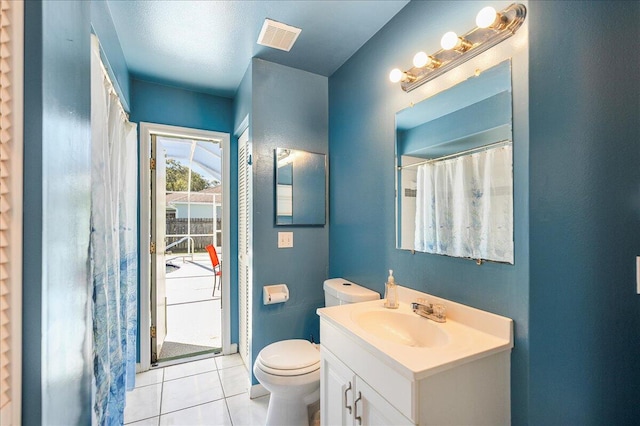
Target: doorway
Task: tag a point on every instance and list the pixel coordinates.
(184, 215)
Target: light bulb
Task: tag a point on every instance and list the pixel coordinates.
(395, 75)
(449, 40)
(486, 17)
(420, 60)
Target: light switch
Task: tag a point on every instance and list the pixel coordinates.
(285, 239)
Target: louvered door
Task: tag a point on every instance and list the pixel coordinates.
(245, 246)
(11, 172)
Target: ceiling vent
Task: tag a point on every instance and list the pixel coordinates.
(278, 35)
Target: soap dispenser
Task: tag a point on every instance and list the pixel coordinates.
(391, 292)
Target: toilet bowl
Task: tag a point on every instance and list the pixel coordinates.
(290, 369)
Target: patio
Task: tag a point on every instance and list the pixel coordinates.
(193, 315)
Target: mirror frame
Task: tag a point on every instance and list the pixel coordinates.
(309, 200)
(461, 142)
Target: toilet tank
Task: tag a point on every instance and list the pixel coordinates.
(338, 291)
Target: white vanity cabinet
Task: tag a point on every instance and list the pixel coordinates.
(346, 399)
(396, 368)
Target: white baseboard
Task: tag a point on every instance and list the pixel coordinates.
(256, 391)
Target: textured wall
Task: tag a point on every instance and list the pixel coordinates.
(362, 111)
(57, 362)
(290, 110)
(156, 103)
(585, 212)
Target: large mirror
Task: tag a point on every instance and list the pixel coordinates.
(454, 170)
(301, 187)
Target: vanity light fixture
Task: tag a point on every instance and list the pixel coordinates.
(422, 60)
(397, 75)
(491, 28)
(451, 41)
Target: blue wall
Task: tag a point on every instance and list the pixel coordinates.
(585, 212)
(289, 109)
(156, 103)
(57, 359)
(362, 108)
(571, 291)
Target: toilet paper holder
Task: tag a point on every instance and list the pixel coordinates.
(277, 293)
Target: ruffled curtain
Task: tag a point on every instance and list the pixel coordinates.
(113, 246)
(464, 206)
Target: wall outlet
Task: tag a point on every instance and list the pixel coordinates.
(285, 239)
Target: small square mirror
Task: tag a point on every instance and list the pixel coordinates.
(301, 187)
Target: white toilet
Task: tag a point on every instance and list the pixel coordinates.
(290, 369)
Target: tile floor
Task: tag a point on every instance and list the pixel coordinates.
(212, 391)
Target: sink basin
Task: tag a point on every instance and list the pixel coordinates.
(402, 328)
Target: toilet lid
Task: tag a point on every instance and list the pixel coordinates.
(289, 355)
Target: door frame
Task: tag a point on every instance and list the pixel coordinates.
(146, 130)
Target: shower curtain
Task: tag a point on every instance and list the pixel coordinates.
(113, 248)
(464, 206)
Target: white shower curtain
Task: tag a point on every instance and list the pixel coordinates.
(113, 246)
(464, 206)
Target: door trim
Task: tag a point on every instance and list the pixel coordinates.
(146, 129)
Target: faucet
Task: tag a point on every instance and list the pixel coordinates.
(435, 312)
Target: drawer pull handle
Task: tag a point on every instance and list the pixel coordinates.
(348, 407)
(355, 404)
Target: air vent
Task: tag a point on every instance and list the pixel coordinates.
(278, 35)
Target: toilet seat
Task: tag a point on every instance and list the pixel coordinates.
(293, 357)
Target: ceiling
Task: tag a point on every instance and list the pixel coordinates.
(207, 45)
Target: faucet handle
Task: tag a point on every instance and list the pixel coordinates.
(440, 311)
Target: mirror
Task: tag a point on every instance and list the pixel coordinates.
(300, 187)
(454, 170)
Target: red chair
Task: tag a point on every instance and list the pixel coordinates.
(217, 269)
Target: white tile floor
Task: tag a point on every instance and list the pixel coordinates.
(212, 391)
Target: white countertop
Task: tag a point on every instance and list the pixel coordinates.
(472, 334)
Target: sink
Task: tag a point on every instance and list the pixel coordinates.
(402, 328)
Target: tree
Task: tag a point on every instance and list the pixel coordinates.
(178, 177)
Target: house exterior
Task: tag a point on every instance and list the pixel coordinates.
(202, 204)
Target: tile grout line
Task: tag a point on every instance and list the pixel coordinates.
(224, 395)
(226, 404)
(161, 394)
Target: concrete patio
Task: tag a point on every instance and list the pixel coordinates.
(194, 317)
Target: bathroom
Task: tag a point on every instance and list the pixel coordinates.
(571, 291)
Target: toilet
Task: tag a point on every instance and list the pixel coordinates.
(290, 369)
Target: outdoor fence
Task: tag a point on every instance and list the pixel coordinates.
(177, 229)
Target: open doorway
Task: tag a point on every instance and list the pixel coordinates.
(184, 213)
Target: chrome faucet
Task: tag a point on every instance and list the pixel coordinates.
(435, 312)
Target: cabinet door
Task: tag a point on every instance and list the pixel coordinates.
(372, 409)
(337, 386)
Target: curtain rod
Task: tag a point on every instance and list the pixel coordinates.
(112, 89)
(105, 73)
(458, 154)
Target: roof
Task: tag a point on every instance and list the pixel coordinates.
(204, 196)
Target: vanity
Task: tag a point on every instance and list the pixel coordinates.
(393, 367)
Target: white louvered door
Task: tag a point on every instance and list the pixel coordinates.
(245, 188)
(11, 173)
